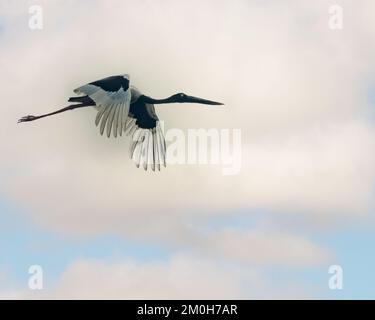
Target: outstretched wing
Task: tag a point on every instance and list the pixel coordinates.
(112, 98)
(148, 147)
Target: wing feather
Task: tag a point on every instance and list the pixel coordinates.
(116, 120)
(145, 149)
(111, 117)
(162, 145)
(104, 119)
(151, 155)
(99, 115)
(157, 150)
(112, 98)
(135, 141)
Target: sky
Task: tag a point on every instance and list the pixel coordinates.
(300, 92)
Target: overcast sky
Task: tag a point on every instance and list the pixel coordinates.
(302, 95)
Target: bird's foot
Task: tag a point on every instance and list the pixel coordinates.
(27, 118)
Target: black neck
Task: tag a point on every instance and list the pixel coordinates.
(150, 100)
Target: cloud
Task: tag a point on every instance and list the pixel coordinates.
(181, 277)
(266, 248)
(295, 88)
(326, 170)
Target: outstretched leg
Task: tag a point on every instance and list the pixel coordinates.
(71, 107)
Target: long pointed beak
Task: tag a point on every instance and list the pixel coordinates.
(192, 99)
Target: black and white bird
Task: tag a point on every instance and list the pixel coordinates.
(124, 109)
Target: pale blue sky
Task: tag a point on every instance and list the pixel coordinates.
(302, 201)
(22, 244)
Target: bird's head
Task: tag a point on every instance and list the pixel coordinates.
(182, 98)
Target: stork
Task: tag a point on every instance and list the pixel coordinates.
(124, 109)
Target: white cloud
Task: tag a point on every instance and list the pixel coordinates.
(181, 277)
(295, 88)
(261, 247)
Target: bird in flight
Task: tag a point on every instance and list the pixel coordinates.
(124, 109)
